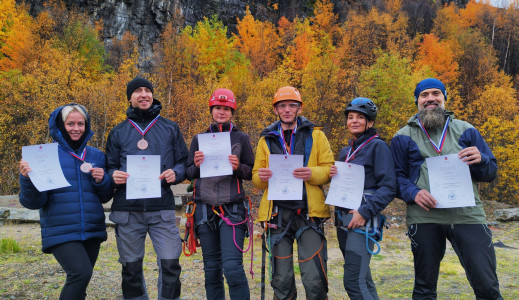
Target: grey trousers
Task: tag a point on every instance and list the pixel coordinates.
(131, 230)
(357, 274)
(312, 254)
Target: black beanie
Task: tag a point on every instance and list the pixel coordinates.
(136, 83)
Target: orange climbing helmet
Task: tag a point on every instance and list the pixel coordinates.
(287, 93)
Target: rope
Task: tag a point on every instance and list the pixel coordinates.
(510, 232)
(190, 242)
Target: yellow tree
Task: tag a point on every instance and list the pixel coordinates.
(439, 57)
(365, 33)
(15, 35)
(209, 61)
(326, 30)
(300, 50)
(322, 102)
(503, 139)
(390, 83)
(496, 99)
(258, 41)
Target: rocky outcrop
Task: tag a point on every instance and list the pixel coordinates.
(146, 19)
(507, 215)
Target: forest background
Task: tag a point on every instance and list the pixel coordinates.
(57, 57)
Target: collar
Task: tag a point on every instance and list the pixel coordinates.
(138, 115)
(354, 143)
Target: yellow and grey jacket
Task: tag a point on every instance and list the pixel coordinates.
(319, 159)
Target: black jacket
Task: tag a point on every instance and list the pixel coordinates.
(164, 139)
(220, 190)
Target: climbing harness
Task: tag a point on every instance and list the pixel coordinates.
(250, 226)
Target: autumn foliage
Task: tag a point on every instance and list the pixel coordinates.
(57, 57)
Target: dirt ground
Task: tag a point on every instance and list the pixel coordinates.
(29, 274)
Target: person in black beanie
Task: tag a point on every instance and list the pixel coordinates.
(145, 132)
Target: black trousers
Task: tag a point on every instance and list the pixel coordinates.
(473, 245)
(77, 260)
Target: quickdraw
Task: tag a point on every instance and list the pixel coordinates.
(190, 238)
(250, 226)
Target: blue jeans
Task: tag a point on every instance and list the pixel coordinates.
(220, 253)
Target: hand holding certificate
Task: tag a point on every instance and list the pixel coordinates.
(283, 185)
(347, 186)
(216, 148)
(143, 181)
(450, 181)
(46, 171)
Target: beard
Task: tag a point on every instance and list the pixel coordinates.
(433, 118)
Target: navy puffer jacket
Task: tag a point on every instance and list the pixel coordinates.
(71, 213)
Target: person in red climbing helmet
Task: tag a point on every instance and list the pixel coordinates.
(222, 219)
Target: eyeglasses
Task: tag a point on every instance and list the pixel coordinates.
(285, 105)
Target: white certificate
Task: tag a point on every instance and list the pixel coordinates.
(46, 173)
(283, 185)
(143, 181)
(347, 186)
(216, 148)
(450, 181)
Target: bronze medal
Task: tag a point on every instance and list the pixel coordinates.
(142, 144)
(85, 167)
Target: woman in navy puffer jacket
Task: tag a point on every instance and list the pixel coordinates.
(72, 218)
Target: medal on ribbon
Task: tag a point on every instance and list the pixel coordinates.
(437, 148)
(281, 136)
(143, 144)
(351, 155)
(85, 166)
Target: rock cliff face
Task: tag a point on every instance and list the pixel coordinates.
(145, 19)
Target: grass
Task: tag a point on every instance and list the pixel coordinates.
(8, 246)
(29, 274)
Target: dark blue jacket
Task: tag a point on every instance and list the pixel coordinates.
(71, 213)
(380, 178)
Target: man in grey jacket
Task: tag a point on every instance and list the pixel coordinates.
(432, 132)
(145, 132)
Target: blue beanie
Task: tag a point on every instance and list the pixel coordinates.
(429, 83)
(136, 83)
